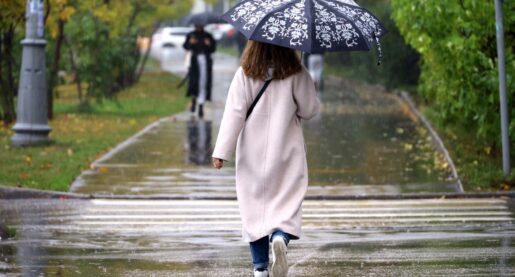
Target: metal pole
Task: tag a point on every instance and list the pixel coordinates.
(31, 126)
(502, 88)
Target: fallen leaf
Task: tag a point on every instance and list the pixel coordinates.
(24, 175)
(46, 165)
(28, 159)
(103, 170)
(69, 152)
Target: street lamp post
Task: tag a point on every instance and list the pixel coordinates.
(31, 126)
(502, 88)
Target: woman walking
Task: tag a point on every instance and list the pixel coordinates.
(271, 167)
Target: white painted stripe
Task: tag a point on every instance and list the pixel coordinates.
(305, 210)
(113, 223)
(136, 203)
(357, 203)
(329, 222)
(337, 215)
(153, 216)
(425, 219)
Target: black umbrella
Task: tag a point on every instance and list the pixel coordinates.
(204, 18)
(312, 26)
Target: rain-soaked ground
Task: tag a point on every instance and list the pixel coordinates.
(364, 142)
(440, 237)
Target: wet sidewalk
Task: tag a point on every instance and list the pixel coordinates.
(365, 142)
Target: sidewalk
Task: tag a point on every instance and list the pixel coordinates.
(366, 142)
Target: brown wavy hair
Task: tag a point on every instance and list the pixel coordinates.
(259, 56)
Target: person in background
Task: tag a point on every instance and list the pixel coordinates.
(315, 65)
(271, 167)
(201, 44)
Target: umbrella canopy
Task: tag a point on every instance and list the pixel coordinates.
(312, 26)
(204, 19)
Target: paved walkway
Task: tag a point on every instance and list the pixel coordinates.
(364, 143)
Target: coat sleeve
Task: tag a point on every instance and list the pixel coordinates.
(187, 45)
(212, 47)
(233, 119)
(305, 95)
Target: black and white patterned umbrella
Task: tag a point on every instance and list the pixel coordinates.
(312, 26)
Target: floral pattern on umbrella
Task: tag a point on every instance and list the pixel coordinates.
(307, 25)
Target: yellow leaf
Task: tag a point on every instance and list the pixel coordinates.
(28, 159)
(66, 13)
(103, 170)
(69, 152)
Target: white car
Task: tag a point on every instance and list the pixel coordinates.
(171, 37)
(221, 31)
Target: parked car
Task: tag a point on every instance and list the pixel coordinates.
(171, 37)
(221, 31)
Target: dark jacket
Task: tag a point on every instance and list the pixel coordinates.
(193, 71)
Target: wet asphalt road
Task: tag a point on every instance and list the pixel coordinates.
(365, 142)
(463, 237)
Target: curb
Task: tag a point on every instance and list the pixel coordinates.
(405, 96)
(12, 193)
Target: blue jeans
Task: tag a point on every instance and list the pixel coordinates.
(259, 249)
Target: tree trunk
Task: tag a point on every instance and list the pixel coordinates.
(7, 82)
(78, 81)
(53, 80)
(147, 53)
(128, 76)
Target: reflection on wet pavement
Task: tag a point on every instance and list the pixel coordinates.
(202, 238)
(365, 142)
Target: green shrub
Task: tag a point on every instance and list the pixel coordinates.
(400, 66)
(459, 78)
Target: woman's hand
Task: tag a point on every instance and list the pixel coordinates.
(218, 163)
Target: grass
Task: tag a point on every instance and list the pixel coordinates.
(79, 138)
(479, 166)
(230, 50)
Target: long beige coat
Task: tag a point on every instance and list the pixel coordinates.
(271, 168)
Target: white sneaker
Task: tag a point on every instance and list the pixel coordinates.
(280, 264)
(263, 273)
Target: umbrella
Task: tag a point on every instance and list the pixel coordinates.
(204, 18)
(312, 26)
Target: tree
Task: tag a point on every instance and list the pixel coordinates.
(103, 35)
(457, 41)
(59, 12)
(12, 13)
(400, 65)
